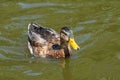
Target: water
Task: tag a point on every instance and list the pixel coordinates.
(96, 28)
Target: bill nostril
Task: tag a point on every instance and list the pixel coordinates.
(78, 48)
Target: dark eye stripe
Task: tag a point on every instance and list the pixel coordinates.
(64, 33)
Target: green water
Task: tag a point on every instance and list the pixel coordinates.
(96, 25)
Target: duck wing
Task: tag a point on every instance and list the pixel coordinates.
(42, 34)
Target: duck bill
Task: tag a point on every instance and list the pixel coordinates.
(73, 44)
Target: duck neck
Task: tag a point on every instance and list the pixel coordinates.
(67, 48)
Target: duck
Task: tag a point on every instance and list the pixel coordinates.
(47, 43)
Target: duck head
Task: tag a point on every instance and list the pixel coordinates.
(67, 38)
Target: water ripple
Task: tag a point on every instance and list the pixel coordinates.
(88, 22)
(12, 50)
(118, 55)
(79, 28)
(119, 18)
(27, 17)
(7, 40)
(16, 67)
(3, 57)
(31, 73)
(34, 5)
(61, 10)
(84, 37)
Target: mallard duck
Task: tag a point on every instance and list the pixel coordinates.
(45, 42)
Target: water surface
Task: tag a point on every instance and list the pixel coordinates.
(96, 28)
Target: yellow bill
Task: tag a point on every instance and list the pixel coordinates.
(73, 44)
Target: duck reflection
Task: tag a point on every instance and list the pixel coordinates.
(67, 75)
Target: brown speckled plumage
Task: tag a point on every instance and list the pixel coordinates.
(46, 42)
